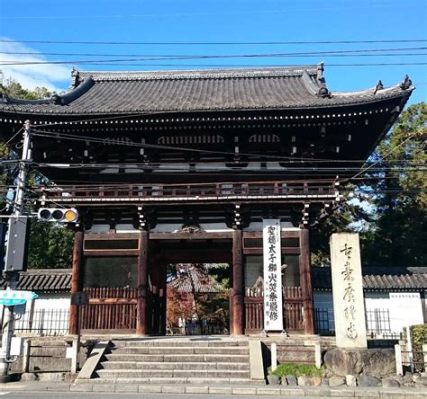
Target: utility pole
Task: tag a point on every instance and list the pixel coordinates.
(14, 253)
(22, 176)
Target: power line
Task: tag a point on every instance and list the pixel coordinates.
(369, 167)
(224, 43)
(128, 61)
(306, 53)
(90, 139)
(175, 65)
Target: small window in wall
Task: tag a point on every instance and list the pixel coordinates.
(291, 272)
(110, 272)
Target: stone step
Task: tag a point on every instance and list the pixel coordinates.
(129, 365)
(132, 357)
(179, 343)
(181, 350)
(175, 381)
(172, 374)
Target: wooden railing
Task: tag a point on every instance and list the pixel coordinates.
(109, 309)
(292, 309)
(115, 309)
(321, 189)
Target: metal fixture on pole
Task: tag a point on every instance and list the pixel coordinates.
(15, 253)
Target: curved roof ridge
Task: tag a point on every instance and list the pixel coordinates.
(226, 73)
(311, 85)
(46, 271)
(56, 99)
(372, 90)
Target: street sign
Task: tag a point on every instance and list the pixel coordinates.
(10, 297)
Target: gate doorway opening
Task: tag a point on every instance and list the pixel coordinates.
(198, 299)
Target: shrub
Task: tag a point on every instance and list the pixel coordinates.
(419, 338)
(296, 369)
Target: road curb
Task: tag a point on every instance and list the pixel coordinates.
(308, 392)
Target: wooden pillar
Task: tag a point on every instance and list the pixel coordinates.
(75, 279)
(305, 277)
(238, 323)
(154, 311)
(142, 276)
(163, 297)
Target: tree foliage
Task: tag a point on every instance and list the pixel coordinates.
(389, 207)
(50, 245)
(399, 233)
(15, 90)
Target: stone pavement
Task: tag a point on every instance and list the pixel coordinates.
(277, 390)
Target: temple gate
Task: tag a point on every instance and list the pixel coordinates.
(184, 166)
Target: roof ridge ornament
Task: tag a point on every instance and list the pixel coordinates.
(406, 84)
(379, 87)
(75, 75)
(56, 99)
(323, 90)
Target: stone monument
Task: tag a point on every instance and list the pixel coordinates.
(347, 290)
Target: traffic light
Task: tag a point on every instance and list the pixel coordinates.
(60, 215)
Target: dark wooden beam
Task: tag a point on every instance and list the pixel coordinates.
(259, 251)
(76, 279)
(283, 234)
(191, 236)
(306, 286)
(238, 306)
(111, 252)
(142, 273)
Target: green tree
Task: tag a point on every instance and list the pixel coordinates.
(389, 206)
(339, 219)
(50, 245)
(14, 89)
(399, 232)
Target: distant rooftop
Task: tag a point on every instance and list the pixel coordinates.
(374, 278)
(378, 278)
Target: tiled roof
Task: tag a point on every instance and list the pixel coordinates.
(192, 91)
(378, 278)
(44, 280)
(192, 280)
(374, 278)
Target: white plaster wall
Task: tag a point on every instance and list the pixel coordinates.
(50, 315)
(52, 301)
(377, 300)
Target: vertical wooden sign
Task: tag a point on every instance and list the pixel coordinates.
(273, 304)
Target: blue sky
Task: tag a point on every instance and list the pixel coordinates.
(211, 21)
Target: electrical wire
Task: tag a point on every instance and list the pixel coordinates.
(191, 56)
(71, 137)
(223, 43)
(364, 170)
(127, 61)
